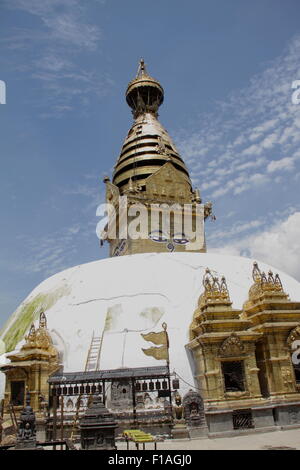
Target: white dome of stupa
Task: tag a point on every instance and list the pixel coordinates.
(120, 298)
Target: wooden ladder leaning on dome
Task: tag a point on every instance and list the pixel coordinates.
(92, 363)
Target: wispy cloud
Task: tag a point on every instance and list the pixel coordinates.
(48, 254)
(55, 53)
(62, 248)
(89, 194)
(64, 20)
(249, 136)
(59, 250)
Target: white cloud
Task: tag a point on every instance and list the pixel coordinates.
(250, 164)
(286, 164)
(252, 150)
(255, 127)
(278, 245)
(236, 228)
(64, 19)
(61, 248)
(68, 28)
(240, 184)
(63, 28)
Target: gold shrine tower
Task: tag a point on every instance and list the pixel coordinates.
(151, 173)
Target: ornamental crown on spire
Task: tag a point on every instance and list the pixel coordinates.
(144, 94)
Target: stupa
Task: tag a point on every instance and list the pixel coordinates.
(213, 319)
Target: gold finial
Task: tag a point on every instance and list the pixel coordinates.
(277, 281)
(31, 334)
(208, 279)
(256, 273)
(267, 282)
(224, 287)
(264, 285)
(215, 289)
(43, 320)
(141, 69)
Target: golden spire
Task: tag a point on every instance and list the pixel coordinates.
(147, 146)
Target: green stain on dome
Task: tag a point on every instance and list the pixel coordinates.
(27, 313)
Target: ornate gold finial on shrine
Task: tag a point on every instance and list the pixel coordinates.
(215, 298)
(264, 285)
(43, 320)
(39, 338)
(267, 282)
(30, 338)
(214, 290)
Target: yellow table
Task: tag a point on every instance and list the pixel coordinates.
(138, 437)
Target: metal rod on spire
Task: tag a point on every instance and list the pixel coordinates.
(141, 69)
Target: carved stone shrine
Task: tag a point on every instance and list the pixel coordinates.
(97, 427)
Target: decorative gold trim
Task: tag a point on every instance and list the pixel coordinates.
(231, 346)
(293, 335)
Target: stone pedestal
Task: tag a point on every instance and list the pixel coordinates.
(194, 415)
(180, 430)
(41, 428)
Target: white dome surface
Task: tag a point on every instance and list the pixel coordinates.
(122, 297)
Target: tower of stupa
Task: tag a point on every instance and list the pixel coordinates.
(151, 173)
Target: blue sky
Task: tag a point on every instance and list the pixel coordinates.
(227, 68)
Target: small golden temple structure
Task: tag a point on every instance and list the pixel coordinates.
(29, 370)
(243, 359)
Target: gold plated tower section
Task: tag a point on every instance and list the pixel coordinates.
(150, 171)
